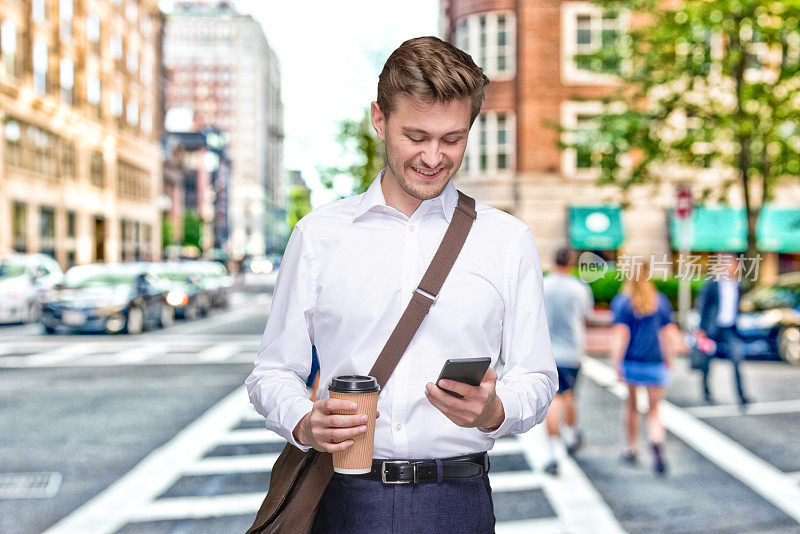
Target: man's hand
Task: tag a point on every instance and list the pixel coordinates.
(480, 407)
(329, 432)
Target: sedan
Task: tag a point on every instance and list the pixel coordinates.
(769, 322)
(111, 298)
(23, 278)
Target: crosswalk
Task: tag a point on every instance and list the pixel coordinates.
(185, 481)
(166, 350)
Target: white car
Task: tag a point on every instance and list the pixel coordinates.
(23, 278)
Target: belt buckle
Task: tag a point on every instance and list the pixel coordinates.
(397, 462)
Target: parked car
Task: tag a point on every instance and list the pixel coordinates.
(215, 278)
(186, 293)
(111, 298)
(769, 322)
(23, 278)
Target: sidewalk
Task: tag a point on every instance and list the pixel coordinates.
(598, 333)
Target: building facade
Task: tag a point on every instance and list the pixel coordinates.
(527, 48)
(223, 73)
(80, 166)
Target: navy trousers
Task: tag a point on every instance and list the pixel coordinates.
(728, 346)
(354, 505)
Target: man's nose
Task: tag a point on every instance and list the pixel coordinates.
(431, 156)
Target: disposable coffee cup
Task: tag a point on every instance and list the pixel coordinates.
(363, 390)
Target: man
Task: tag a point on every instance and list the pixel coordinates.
(718, 306)
(569, 302)
(348, 273)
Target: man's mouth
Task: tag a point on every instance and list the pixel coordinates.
(428, 174)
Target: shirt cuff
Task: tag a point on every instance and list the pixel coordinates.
(510, 408)
(296, 412)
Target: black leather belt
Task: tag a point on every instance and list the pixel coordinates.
(416, 471)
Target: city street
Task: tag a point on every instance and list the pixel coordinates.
(154, 433)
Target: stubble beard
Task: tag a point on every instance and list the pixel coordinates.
(409, 188)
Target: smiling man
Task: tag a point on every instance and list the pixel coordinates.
(349, 271)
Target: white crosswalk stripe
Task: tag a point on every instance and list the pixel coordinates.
(134, 497)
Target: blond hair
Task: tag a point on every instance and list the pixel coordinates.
(431, 70)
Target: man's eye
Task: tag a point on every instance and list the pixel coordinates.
(453, 142)
(416, 140)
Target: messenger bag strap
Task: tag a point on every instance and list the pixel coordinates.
(423, 298)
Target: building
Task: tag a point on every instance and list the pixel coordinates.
(221, 70)
(80, 167)
(527, 48)
(197, 174)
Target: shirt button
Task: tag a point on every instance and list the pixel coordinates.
(410, 228)
(397, 426)
(409, 279)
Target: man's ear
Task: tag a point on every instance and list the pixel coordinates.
(378, 120)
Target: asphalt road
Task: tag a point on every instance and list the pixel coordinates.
(154, 433)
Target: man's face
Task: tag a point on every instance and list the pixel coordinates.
(425, 143)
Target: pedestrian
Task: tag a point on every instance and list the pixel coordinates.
(568, 302)
(350, 269)
(644, 339)
(718, 307)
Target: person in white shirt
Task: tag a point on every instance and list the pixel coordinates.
(569, 302)
(349, 271)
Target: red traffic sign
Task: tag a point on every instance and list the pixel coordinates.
(683, 202)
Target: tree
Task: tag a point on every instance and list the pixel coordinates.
(192, 229)
(167, 232)
(299, 205)
(706, 85)
(360, 143)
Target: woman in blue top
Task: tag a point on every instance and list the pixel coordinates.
(643, 329)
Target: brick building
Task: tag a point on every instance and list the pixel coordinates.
(80, 166)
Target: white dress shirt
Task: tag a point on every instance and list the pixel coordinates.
(348, 273)
(728, 301)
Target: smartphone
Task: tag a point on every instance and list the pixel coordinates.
(467, 370)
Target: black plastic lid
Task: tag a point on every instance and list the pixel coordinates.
(354, 384)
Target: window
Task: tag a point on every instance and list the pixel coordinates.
(67, 165)
(93, 90)
(131, 11)
(19, 226)
(491, 143)
(38, 150)
(132, 181)
(97, 171)
(67, 76)
(580, 118)
(8, 47)
(71, 228)
(38, 10)
(40, 67)
(47, 231)
(65, 17)
(132, 61)
(585, 30)
(132, 113)
(490, 39)
(115, 47)
(93, 32)
(70, 241)
(115, 104)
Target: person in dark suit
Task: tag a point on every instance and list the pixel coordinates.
(718, 306)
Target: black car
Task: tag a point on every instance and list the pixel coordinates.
(112, 298)
(186, 292)
(769, 322)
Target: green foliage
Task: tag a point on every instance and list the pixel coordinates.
(192, 229)
(167, 232)
(605, 288)
(704, 84)
(299, 205)
(359, 143)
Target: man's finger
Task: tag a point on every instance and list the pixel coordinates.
(338, 405)
(337, 435)
(336, 447)
(465, 390)
(441, 399)
(346, 421)
(490, 376)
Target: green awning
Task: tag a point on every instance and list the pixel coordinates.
(596, 227)
(778, 229)
(712, 230)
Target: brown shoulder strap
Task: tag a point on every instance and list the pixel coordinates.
(427, 291)
(424, 296)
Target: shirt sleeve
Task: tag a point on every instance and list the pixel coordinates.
(619, 310)
(277, 384)
(589, 300)
(528, 379)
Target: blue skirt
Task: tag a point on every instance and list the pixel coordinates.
(645, 373)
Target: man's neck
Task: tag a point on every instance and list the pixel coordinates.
(562, 270)
(396, 197)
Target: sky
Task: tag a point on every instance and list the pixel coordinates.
(330, 55)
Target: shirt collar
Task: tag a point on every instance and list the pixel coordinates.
(373, 197)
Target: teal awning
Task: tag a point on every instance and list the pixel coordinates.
(712, 230)
(596, 227)
(724, 228)
(778, 229)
